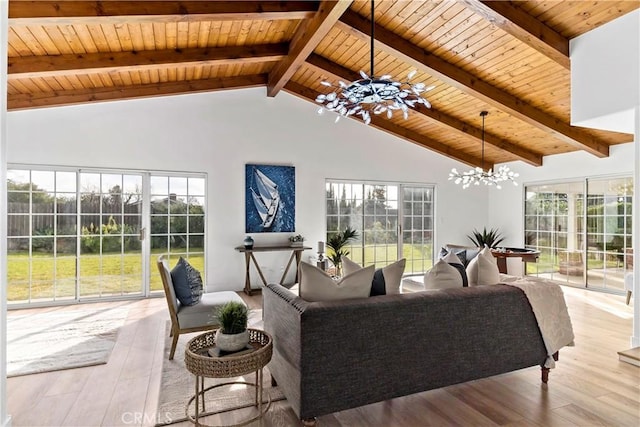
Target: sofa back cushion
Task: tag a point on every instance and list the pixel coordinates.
(316, 285)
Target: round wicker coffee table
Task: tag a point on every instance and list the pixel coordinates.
(199, 363)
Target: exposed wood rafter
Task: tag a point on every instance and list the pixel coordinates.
(396, 130)
(55, 65)
(400, 48)
(111, 11)
(309, 34)
(524, 27)
(49, 99)
(454, 124)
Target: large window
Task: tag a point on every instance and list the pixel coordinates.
(177, 221)
(82, 234)
(582, 230)
(393, 221)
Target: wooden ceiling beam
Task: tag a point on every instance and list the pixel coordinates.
(395, 130)
(513, 20)
(354, 24)
(304, 41)
(452, 123)
(101, 62)
(112, 11)
(67, 97)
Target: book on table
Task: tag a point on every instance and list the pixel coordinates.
(216, 352)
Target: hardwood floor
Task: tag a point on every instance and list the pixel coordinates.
(589, 386)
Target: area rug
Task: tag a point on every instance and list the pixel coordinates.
(177, 384)
(61, 339)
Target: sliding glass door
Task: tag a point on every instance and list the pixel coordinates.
(393, 221)
(82, 234)
(110, 212)
(583, 231)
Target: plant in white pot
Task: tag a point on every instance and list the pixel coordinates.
(232, 334)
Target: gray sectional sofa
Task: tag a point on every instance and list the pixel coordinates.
(332, 356)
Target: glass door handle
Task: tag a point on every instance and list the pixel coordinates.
(142, 233)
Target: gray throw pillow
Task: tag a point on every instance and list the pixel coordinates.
(187, 282)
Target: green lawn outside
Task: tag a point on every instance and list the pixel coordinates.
(549, 263)
(54, 278)
(116, 275)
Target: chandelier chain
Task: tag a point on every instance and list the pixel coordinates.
(478, 175)
(371, 94)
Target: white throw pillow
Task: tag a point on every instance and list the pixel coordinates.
(316, 285)
(442, 276)
(386, 280)
(349, 266)
(483, 269)
(453, 260)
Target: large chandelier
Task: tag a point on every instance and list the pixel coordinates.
(478, 175)
(372, 94)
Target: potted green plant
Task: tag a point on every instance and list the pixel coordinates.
(336, 242)
(491, 238)
(232, 334)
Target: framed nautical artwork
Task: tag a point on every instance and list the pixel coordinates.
(270, 198)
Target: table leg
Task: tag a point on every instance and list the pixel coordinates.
(255, 262)
(204, 409)
(259, 392)
(197, 397)
(298, 259)
(502, 265)
(247, 277)
(286, 270)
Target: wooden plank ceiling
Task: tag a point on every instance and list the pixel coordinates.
(509, 58)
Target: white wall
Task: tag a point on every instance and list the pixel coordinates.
(605, 75)
(506, 206)
(218, 133)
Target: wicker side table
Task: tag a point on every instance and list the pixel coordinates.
(202, 365)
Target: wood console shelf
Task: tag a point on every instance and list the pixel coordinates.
(296, 252)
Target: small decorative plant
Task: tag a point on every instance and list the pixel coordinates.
(233, 317)
(298, 238)
(491, 238)
(336, 242)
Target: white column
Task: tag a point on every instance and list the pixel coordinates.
(5, 419)
(635, 338)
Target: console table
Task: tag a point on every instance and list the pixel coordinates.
(296, 253)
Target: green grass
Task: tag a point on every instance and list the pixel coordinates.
(548, 263)
(109, 275)
(418, 256)
(116, 275)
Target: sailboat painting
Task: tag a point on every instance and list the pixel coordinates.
(270, 198)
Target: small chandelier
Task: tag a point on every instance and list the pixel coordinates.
(478, 175)
(372, 94)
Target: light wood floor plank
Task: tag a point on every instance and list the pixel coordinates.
(589, 385)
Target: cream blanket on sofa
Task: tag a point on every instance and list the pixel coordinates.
(549, 307)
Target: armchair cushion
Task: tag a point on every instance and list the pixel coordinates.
(204, 313)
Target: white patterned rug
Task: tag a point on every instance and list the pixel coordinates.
(177, 384)
(61, 339)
